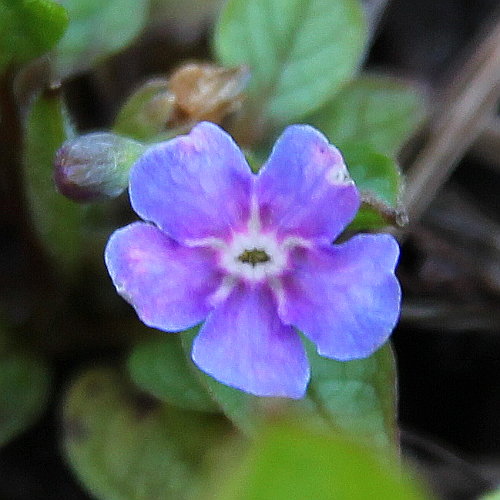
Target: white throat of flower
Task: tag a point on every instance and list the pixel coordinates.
(252, 255)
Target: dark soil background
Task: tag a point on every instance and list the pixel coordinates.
(448, 341)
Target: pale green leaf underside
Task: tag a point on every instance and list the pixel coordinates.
(299, 51)
(378, 111)
(97, 29)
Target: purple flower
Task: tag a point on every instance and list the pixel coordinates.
(251, 255)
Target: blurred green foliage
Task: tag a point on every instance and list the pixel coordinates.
(357, 397)
(289, 461)
(97, 30)
(58, 221)
(24, 388)
(493, 495)
(124, 446)
(29, 28)
(160, 367)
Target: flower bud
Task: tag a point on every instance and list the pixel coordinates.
(195, 92)
(206, 92)
(95, 166)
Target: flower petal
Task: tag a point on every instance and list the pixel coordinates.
(345, 298)
(194, 186)
(304, 188)
(168, 284)
(244, 344)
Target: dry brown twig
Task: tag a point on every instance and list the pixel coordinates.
(487, 145)
(464, 111)
(374, 11)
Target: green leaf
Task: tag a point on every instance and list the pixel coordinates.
(3, 338)
(299, 51)
(377, 111)
(376, 175)
(57, 220)
(288, 462)
(358, 397)
(373, 171)
(355, 396)
(492, 495)
(246, 411)
(159, 366)
(29, 28)
(24, 387)
(123, 446)
(97, 30)
(145, 113)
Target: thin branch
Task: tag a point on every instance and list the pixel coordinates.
(463, 113)
(374, 10)
(487, 145)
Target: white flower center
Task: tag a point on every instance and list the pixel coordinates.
(254, 256)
